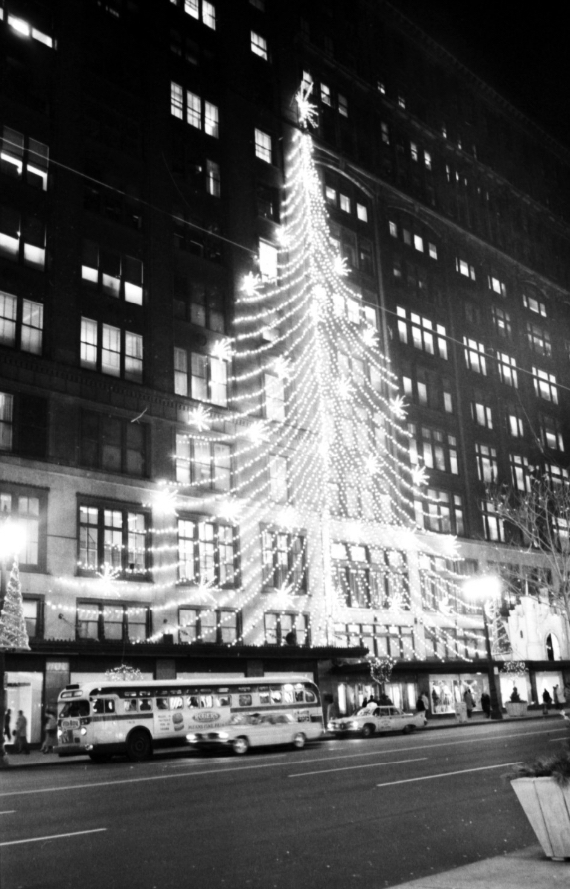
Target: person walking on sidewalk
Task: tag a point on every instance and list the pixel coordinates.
(469, 702)
(21, 732)
(50, 730)
(546, 702)
(7, 717)
(486, 704)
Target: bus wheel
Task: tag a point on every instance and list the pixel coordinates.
(100, 757)
(367, 730)
(299, 741)
(139, 746)
(240, 746)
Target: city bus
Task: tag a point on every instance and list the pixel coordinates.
(104, 718)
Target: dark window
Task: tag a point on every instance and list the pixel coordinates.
(123, 622)
(113, 444)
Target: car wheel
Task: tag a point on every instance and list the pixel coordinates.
(368, 730)
(299, 741)
(139, 746)
(240, 746)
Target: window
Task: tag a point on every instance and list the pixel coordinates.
(432, 249)
(465, 269)
(550, 432)
(501, 322)
(111, 350)
(23, 424)
(113, 538)
(267, 201)
(342, 105)
(218, 625)
(125, 622)
(113, 444)
(539, 339)
(275, 397)
(21, 323)
(201, 114)
(200, 304)
(258, 45)
(345, 203)
(385, 133)
(278, 478)
(204, 463)
(22, 238)
(284, 560)
(283, 628)
(475, 356)
(115, 274)
(493, 526)
(520, 472)
(515, 423)
(203, 377)
(213, 181)
(421, 333)
(326, 96)
(507, 370)
(24, 158)
(427, 160)
(545, 385)
(487, 466)
(438, 583)
(207, 552)
(496, 285)
(481, 412)
(26, 507)
(361, 212)
(268, 256)
(263, 146)
(557, 475)
(34, 616)
(440, 511)
(26, 30)
(434, 448)
(534, 305)
(6, 421)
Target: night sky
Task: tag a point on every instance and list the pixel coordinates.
(521, 51)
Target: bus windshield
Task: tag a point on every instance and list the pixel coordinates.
(74, 708)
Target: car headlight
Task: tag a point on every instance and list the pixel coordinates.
(223, 736)
(191, 738)
(82, 731)
(353, 725)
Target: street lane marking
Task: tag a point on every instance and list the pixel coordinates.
(55, 836)
(8, 812)
(364, 765)
(500, 765)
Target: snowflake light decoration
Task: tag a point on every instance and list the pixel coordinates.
(307, 110)
(398, 407)
(251, 284)
(341, 266)
(223, 349)
(370, 337)
(419, 476)
(200, 418)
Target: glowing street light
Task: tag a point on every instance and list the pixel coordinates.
(483, 589)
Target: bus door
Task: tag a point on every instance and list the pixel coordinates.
(104, 715)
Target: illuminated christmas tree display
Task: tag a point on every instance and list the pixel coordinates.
(13, 633)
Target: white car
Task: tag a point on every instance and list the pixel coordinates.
(247, 730)
(373, 719)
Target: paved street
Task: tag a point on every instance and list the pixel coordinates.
(337, 814)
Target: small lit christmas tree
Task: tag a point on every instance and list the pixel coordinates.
(13, 633)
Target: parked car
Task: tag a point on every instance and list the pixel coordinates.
(373, 719)
(247, 730)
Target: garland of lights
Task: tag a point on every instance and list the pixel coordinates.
(515, 668)
(124, 673)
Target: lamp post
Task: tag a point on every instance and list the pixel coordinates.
(12, 625)
(485, 588)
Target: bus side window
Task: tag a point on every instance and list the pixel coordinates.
(130, 706)
(162, 703)
(102, 706)
(223, 700)
(288, 694)
(145, 705)
(264, 697)
(245, 700)
(177, 702)
(276, 696)
(310, 695)
(192, 701)
(206, 701)
(299, 693)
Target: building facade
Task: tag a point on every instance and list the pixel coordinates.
(145, 149)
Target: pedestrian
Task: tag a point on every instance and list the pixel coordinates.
(21, 732)
(420, 706)
(51, 732)
(546, 701)
(556, 698)
(7, 717)
(486, 704)
(425, 699)
(469, 702)
(364, 702)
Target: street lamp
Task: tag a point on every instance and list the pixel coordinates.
(485, 588)
(12, 539)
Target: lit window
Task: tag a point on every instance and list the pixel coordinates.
(496, 285)
(545, 385)
(401, 101)
(468, 271)
(268, 256)
(199, 114)
(21, 325)
(258, 45)
(213, 178)
(487, 465)
(209, 14)
(414, 151)
(111, 350)
(207, 552)
(113, 537)
(330, 194)
(24, 158)
(393, 229)
(475, 356)
(284, 557)
(385, 132)
(275, 399)
(326, 97)
(263, 147)
(278, 478)
(6, 421)
(362, 212)
(507, 368)
(211, 120)
(419, 243)
(427, 160)
(432, 251)
(534, 305)
(342, 105)
(520, 472)
(176, 100)
(345, 203)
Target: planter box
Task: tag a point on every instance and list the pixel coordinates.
(516, 709)
(547, 807)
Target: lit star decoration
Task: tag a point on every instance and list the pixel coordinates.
(200, 417)
(398, 407)
(307, 110)
(419, 476)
